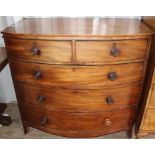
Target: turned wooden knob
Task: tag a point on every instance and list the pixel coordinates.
(107, 123)
(34, 50)
(41, 98)
(109, 100)
(37, 75)
(75, 115)
(114, 51)
(44, 120)
(112, 76)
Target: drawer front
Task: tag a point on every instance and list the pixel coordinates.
(149, 120)
(151, 98)
(77, 100)
(36, 50)
(77, 77)
(58, 120)
(108, 51)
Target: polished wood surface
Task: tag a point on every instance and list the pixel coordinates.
(77, 124)
(77, 100)
(77, 28)
(3, 58)
(150, 21)
(100, 51)
(78, 77)
(85, 52)
(51, 51)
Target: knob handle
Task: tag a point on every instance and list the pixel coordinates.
(107, 123)
(43, 120)
(37, 75)
(114, 51)
(112, 76)
(109, 100)
(75, 115)
(41, 98)
(35, 51)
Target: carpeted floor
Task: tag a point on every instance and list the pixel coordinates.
(15, 131)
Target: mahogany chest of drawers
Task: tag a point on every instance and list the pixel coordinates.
(78, 77)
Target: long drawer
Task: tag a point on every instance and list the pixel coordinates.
(38, 50)
(58, 120)
(77, 100)
(110, 51)
(77, 77)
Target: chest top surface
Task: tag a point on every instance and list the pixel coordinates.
(150, 21)
(77, 27)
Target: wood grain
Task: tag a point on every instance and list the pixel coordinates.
(73, 72)
(100, 51)
(56, 52)
(80, 122)
(77, 77)
(150, 21)
(77, 100)
(78, 28)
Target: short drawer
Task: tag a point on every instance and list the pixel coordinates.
(39, 50)
(77, 77)
(77, 100)
(59, 120)
(110, 51)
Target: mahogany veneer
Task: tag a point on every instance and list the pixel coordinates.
(78, 77)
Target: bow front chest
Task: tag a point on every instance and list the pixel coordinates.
(78, 77)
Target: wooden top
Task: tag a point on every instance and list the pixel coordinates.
(3, 58)
(45, 28)
(150, 21)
